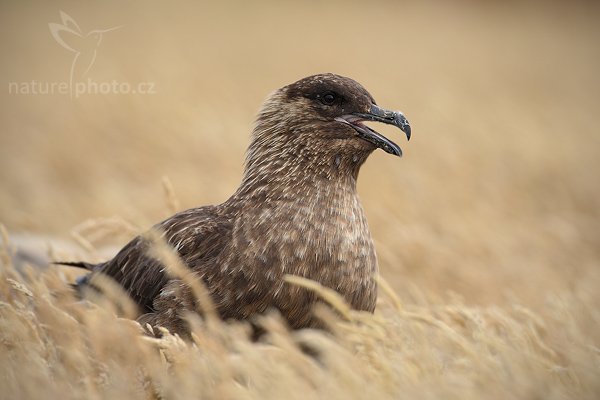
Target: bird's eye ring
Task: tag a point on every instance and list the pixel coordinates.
(328, 98)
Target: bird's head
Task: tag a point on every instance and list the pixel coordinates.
(319, 120)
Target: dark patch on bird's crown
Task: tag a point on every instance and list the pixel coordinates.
(349, 95)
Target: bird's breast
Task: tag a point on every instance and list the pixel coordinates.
(323, 237)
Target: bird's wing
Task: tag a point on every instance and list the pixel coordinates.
(198, 235)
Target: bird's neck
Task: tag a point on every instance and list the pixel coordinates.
(296, 174)
(277, 162)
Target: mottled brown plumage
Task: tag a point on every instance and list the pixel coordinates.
(296, 212)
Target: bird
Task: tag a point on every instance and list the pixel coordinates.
(296, 212)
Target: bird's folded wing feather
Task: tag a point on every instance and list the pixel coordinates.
(198, 235)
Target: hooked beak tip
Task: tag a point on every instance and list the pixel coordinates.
(407, 130)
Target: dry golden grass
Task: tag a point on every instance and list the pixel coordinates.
(55, 347)
(487, 231)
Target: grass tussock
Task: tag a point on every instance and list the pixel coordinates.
(56, 347)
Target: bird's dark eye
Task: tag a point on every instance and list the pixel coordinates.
(328, 98)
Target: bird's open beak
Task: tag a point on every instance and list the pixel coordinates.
(378, 114)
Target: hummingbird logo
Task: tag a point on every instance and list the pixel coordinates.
(85, 46)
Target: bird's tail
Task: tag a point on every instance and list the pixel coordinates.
(77, 264)
(82, 281)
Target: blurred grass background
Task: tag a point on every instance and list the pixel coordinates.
(497, 195)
